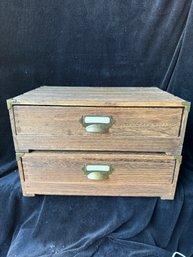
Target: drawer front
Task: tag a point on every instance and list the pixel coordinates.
(97, 128)
(96, 173)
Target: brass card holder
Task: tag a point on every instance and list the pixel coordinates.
(97, 171)
(97, 124)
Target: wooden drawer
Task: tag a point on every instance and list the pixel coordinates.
(127, 129)
(76, 173)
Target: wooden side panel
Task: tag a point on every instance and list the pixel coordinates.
(61, 173)
(171, 193)
(13, 128)
(183, 126)
(21, 174)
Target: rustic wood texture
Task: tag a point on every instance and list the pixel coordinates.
(162, 191)
(135, 129)
(99, 96)
(52, 120)
(170, 194)
(22, 178)
(13, 128)
(183, 126)
(63, 170)
(99, 142)
(142, 145)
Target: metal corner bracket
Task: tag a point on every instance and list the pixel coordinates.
(187, 105)
(178, 158)
(10, 103)
(19, 156)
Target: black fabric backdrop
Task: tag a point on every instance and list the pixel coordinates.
(94, 43)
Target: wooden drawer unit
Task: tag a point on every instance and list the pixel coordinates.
(98, 140)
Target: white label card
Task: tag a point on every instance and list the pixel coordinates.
(104, 120)
(98, 168)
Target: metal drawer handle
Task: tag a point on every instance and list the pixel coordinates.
(97, 172)
(97, 124)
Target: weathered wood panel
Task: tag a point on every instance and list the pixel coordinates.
(67, 167)
(61, 173)
(63, 121)
(60, 188)
(98, 143)
(99, 96)
(147, 133)
(134, 129)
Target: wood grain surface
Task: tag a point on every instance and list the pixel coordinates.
(100, 142)
(52, 120)
(99, 96)
(47, 170)
(142, 145)
(135, 129)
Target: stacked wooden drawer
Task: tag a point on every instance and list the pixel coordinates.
(116, 141)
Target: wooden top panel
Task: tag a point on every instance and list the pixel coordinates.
(99, 96)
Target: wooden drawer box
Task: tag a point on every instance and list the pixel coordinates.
(98, 141)
(60, 172)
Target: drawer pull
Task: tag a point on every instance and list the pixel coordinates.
(97, 124)
(97, 172)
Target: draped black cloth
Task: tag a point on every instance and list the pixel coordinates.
(94, 43)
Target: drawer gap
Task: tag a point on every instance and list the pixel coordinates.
(150, 106)
(101, 152)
